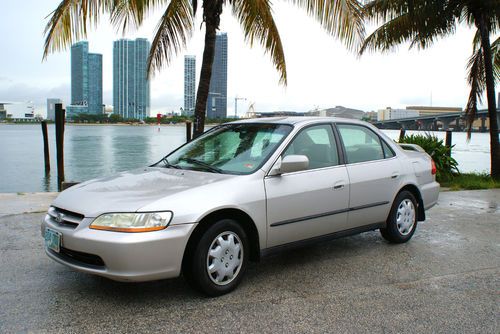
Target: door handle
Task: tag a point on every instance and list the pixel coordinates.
(338, 186)
(394, 176)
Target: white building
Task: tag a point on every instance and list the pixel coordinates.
(51, 108)
(390, 114)
(18, 111)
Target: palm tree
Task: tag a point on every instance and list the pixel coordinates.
(421, 22)
(71, 19)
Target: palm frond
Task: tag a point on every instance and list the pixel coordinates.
(397, 31)
(495, 54)
(340, 18)
(256, 20)
(477, 79)
(381, 11)
(127, 13)
(418, 22)
(172, 33)
(70, 20)
(477, 82)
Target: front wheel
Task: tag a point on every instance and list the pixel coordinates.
(219, 259)
(402, 220)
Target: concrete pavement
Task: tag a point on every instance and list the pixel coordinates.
(445, 280)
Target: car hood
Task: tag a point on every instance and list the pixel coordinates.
(130, 191)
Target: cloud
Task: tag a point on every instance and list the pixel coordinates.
(36, 94)
(166, 102)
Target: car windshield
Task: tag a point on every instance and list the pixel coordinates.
(229, 148)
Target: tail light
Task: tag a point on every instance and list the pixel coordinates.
(433, 167)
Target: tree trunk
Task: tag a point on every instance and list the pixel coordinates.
(490, 94)
(211, 14)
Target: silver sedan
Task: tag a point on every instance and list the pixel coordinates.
(241, 191)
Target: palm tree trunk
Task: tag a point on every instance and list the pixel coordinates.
(490, 94)
(211, 14)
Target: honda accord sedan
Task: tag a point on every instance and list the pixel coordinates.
(241, 191)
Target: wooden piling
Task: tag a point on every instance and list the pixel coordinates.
(448, 141)
(402, 134)
(59, 120)
(188, 131)
(46, 154)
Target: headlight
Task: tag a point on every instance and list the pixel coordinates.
(132, 222)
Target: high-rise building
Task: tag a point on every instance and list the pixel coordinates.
(51, 108)
(131, 92)
(189, 84)
(86, 80)
(217, 95)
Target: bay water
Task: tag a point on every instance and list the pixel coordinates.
(93, 151)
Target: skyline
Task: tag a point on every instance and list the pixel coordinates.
(322, 73)
(131, 91)
(189, 84)
(217, 93)
(86, 80)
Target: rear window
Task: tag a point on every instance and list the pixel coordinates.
(361, 143)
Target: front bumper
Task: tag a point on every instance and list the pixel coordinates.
(132, 257)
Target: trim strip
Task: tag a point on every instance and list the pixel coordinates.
(325, 214)
(321, 238)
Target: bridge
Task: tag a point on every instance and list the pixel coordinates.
(444, 121)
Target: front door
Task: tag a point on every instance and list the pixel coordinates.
(312, 202)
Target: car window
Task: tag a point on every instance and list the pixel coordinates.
(361, 144)
(388, 152)
(318, 144)
(230, 148)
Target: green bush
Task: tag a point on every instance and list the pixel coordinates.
(446, 166)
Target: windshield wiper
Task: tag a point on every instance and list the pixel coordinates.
(168, 164)
(202, 164)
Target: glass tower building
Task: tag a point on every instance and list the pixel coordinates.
(86, 81)
(217, 96)
(189, 84)
(131, 92)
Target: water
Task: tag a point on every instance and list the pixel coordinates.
(98, 150)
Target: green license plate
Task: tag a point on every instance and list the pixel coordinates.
(53, 240)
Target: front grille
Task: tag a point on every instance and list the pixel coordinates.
(65, 218)
(79, 258)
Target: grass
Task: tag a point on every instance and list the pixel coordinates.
(470, 182)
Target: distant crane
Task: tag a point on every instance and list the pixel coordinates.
(236, 98)
(251, 110)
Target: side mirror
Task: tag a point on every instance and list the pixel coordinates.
(290, 164)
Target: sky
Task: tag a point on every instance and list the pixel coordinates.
(322, 73)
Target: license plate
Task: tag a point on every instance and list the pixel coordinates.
(53, 240)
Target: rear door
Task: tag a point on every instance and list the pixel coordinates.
(374, 174)
(311, 202)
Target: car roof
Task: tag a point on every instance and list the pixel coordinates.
(297, 120)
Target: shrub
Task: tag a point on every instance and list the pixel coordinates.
(439, 152)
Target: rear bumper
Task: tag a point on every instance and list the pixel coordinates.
(125, 256)
(430, 194)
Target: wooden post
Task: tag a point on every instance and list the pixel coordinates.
(188, 131)
(448, 141)
(60, 119)
(402, 134)
(46, 154)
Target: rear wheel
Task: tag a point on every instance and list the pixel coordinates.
(219, 259)
(402, 220)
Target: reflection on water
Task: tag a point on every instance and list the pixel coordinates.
(99, 150)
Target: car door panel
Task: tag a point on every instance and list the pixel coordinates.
(306, 204)
(373, 187)
(374, 174)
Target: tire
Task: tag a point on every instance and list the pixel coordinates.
(218, 261)
(402, 220)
